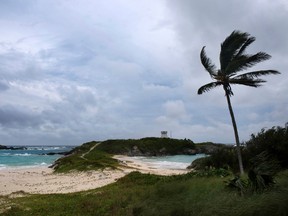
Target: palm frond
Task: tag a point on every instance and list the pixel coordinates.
(208, 87)
(207, 63)
(247, 81)
(245, 61)
(255, 74)
(245, 45)
(264, 168)
(231, 45)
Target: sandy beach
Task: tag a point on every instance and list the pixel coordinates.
(42, 180)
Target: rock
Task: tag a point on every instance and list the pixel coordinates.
(163, 151)
(2, 147)
(55, 153)
(190, 151)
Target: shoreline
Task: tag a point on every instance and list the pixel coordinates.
(42, 180)
(145, 167)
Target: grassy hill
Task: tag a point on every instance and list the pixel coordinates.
(150, 146)
(85, 157)
(98, 155)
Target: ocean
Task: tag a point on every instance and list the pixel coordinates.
(170, 162)
(34, 156)
(31, 156)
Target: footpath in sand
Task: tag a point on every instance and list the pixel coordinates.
(42, 180)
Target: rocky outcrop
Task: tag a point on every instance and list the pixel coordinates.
(56, 153)
(190, 151)
(2, 147)
(135, 151)
(207, 148)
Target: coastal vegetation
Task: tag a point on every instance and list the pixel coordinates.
(145, 194)
(150, 146)
(233, 60)
(263, 156)
(98, 155)
(273, 142)
(85, 157)
(211, 189)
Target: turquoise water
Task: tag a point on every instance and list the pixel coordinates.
(170, 162)
(31, 156)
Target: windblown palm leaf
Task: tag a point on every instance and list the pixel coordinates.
(243, 62)
(208, 87)
(256, 74)
(247, 81)
(207, 63)
(263, 170)
(232, 61)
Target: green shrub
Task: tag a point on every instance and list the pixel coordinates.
(274, 141)
(224, 157)
(263, 169)
(150, 146)
(262, 172)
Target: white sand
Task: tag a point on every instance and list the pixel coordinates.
(144, 167)
(42, 180)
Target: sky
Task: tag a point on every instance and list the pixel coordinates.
(73, 71)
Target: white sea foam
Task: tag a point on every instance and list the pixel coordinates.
(170, 162)
(3, 166)
(46, 148)
(30, 156)
(168, 165)
(5, 154)
(23, 155)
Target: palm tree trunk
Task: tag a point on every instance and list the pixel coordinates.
(238, 149)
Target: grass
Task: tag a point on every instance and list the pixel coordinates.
(201, 193)
(84, 158)
(98, 155)
(145, 194)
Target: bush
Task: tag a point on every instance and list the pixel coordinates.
(150, 146)
(262, 172)
(263, 169)
(274, 141)
(224, 157)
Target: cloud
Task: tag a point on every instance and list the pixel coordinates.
(81, 70)
(3, 85)
(13, 117)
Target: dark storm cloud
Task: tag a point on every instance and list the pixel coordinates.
(18, 118)
(208, 23)
(73, 71)
(213, 20)
(3, 85)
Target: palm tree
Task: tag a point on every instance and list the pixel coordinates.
(233, 60)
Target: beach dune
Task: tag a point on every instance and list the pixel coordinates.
(42, 180)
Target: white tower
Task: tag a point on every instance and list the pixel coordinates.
(164, 134)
